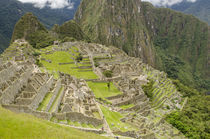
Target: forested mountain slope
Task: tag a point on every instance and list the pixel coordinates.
(169, 40)
(12, 10)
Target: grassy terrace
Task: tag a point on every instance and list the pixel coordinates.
(127, 106)
(14, 125)
(113, 119)
(101, 90)
(43, 104)
(55, 102)
(66, 57)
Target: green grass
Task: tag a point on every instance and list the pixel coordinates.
(44, 103)
(127, 106)
(14, 125)
(65, 57)
(101, 90)
(113, 119)
(55, 102)
(97, 115)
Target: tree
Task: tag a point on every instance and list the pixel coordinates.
(79, 57)
(108, 85)
(108, 73)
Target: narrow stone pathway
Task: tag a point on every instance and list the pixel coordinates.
(106, 125)
(185, 101)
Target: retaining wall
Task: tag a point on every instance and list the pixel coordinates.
(7, 73)
(26, 109)
(8, 96)
(79, 117)
(41, 94)
(55, 92)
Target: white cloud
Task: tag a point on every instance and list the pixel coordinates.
(54, 4)
(167, 2)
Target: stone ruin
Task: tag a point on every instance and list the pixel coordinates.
(23, 88)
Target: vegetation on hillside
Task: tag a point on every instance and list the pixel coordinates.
(181, 44)
(70, 29)
(170, 40)
(12, 10)
(30, 29)
(193, 121)
(148, 89)
(41, 39)
(200, 9)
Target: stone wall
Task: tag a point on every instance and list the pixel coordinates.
(43, 115)
(59, 100)
(8, 95)
(26, 109)
(41, 94)
(79, 117)
(115, 97)
(5, 74)
(55, 92)
(126, 134)
(128, 101)
(17, 108)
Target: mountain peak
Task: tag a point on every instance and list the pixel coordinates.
(26, 25)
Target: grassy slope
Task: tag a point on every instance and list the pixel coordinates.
(44, 103)
(113, 119)
(25, 126)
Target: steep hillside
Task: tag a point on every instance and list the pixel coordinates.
(14, 125)
(200, 9)
(173, 42)
(69, 30)
(30, 29)
(184, 42)
(12, 10)
(118, 23)
(27, 25)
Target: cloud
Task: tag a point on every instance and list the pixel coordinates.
(54, 4)
(167, 2)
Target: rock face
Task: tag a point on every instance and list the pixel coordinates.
(180, 35)
(118, 23)
(168, 40)
(25, 26)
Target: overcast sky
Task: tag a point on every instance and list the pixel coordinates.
(166, 2)
(54, 4)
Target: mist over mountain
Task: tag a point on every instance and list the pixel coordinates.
(12, 10)
(166, 3)
(200, 9)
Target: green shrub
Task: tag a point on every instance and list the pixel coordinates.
(36, 54)
(108, 73)
(69, 39)
(38, 63)
(148, 89)
(79, 57)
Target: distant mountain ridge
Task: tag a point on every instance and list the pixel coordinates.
(200, 9)
(12, 10)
